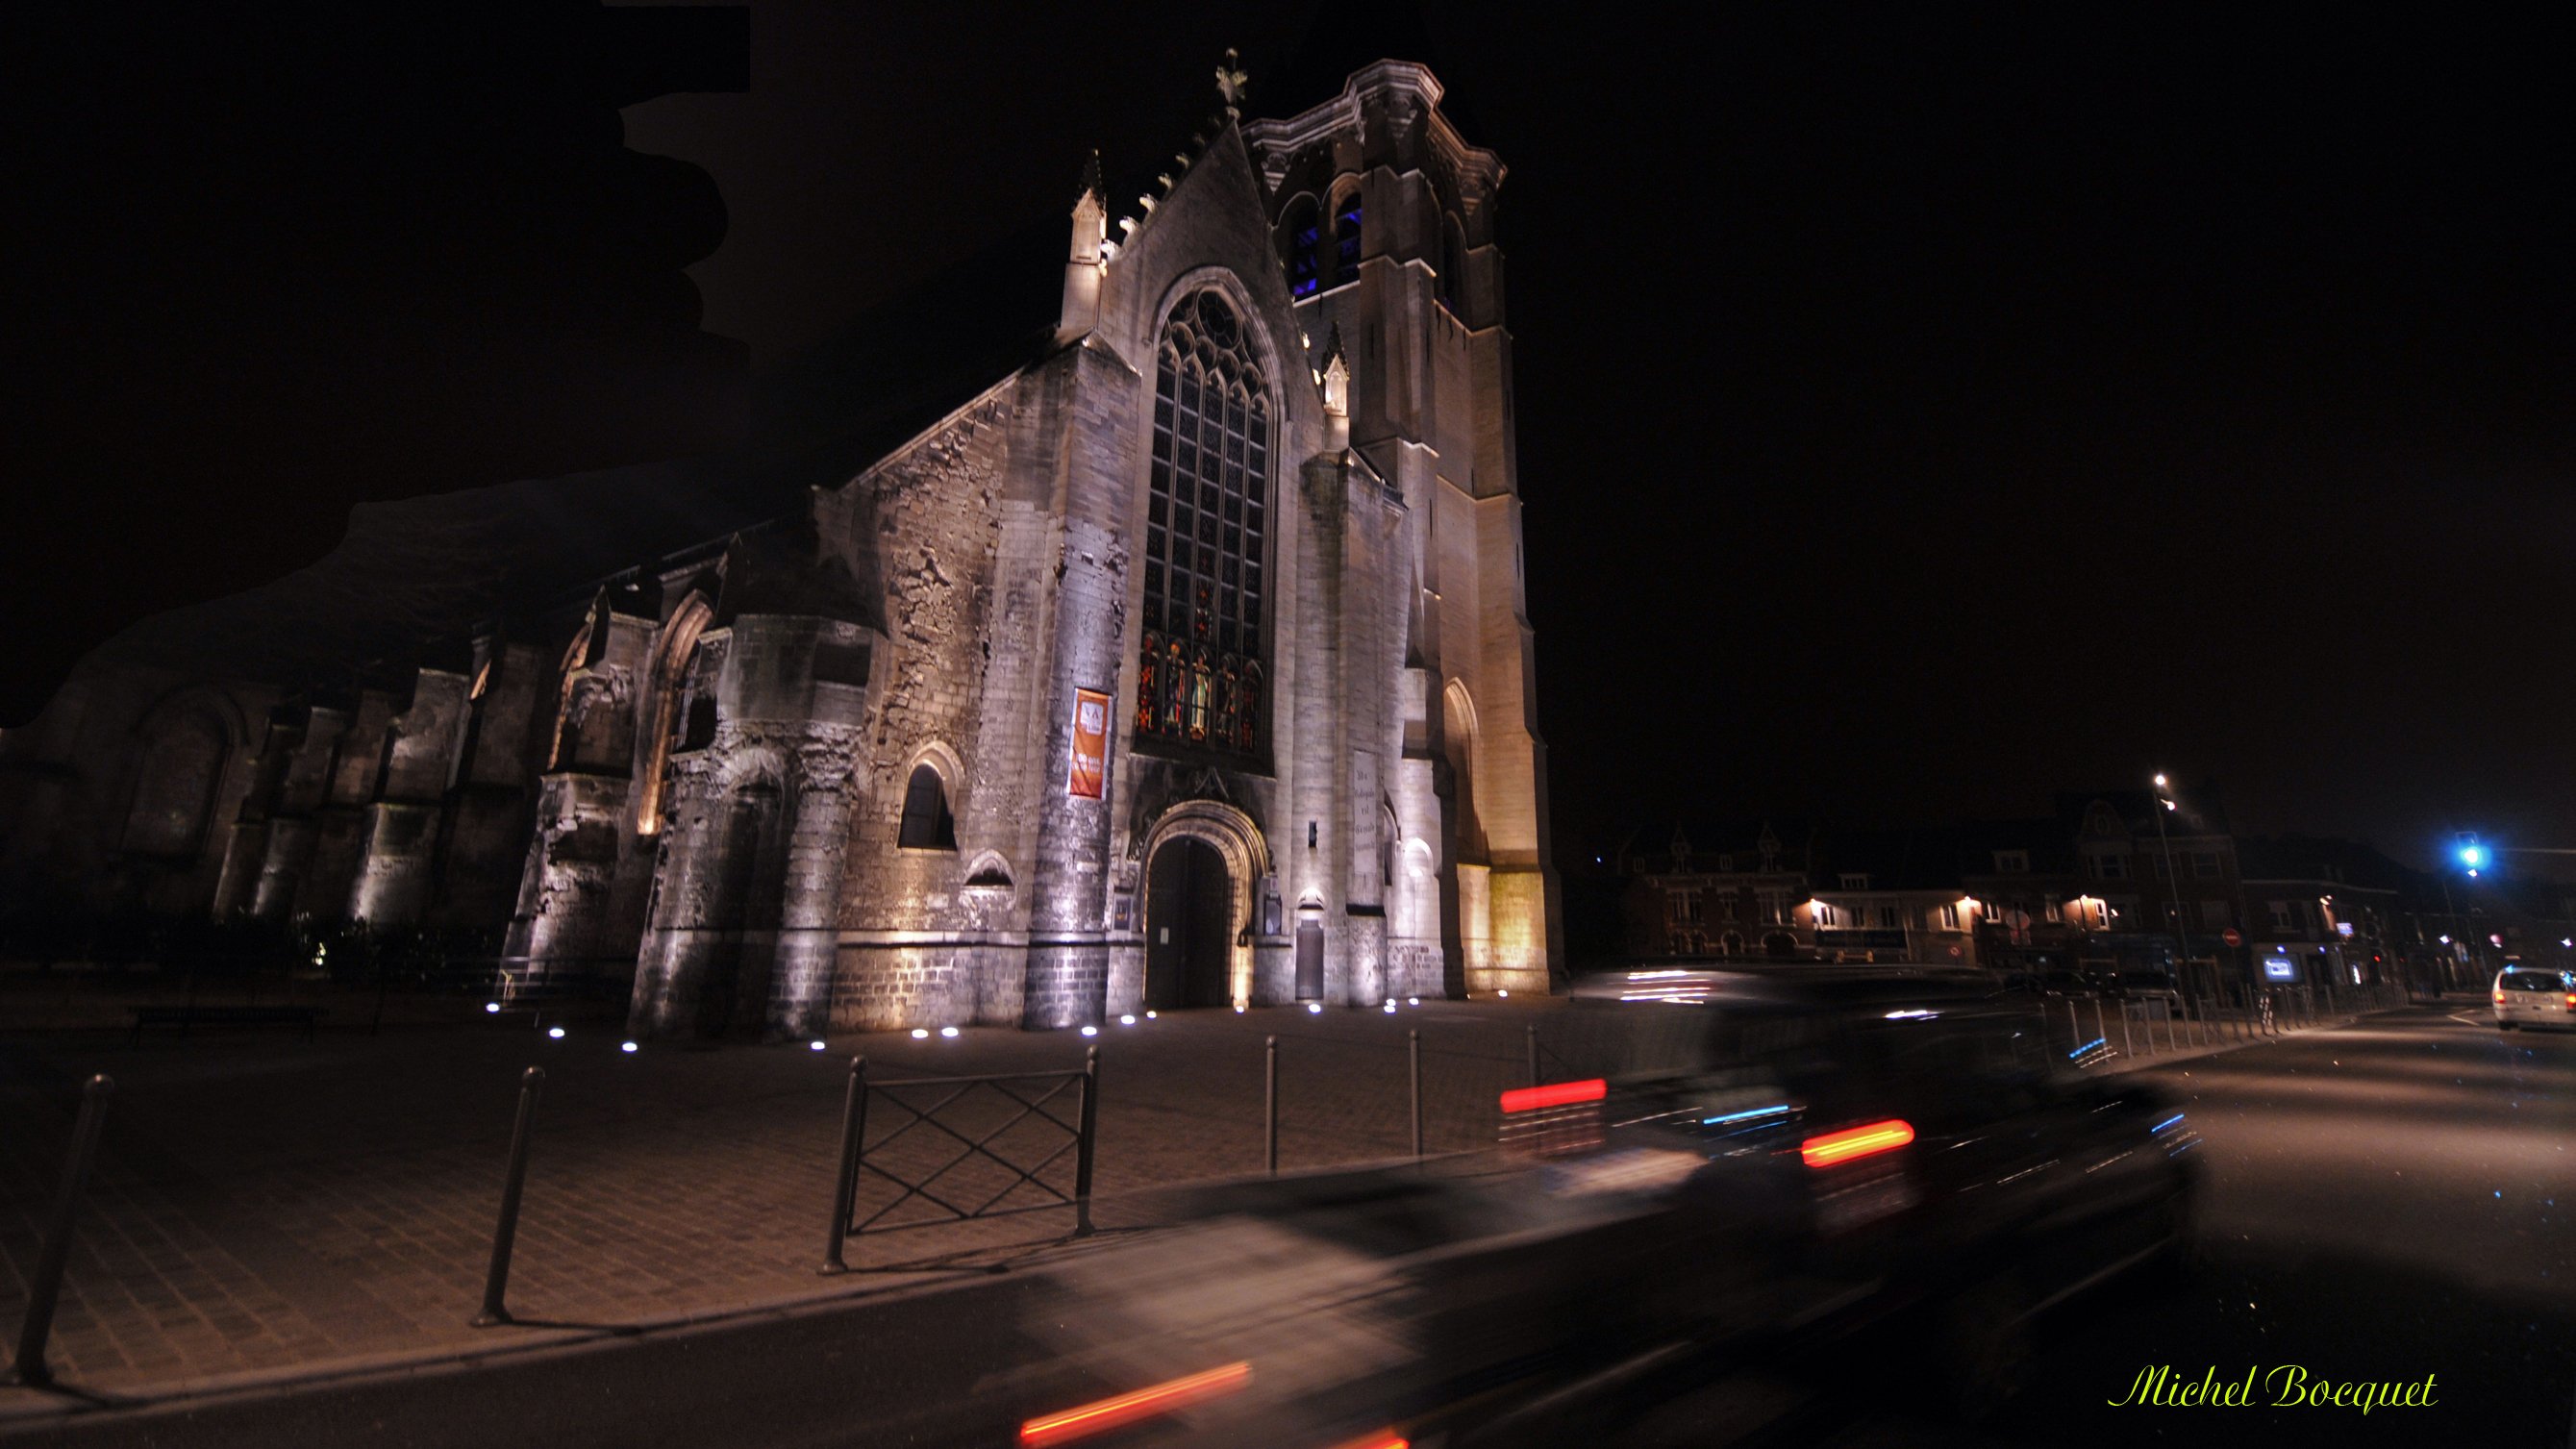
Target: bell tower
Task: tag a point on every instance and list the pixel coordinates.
(1382, 214)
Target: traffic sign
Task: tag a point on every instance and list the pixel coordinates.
(2232, 936)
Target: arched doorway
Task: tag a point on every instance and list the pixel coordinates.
(1189, 926)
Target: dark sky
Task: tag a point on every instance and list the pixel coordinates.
(1922, 409)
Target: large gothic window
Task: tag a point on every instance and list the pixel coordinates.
(1199, 680)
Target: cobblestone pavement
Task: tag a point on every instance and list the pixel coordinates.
(265, 1203)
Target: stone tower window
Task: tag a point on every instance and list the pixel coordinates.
(1346, 239)
(1300, 248)
(926, 822)
(1453, 267)
(1198, 681)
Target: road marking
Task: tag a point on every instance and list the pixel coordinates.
(2467, 1020)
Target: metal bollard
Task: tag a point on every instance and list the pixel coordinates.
(1270, 1106)
(496, 1279)
(2074, 1032)
(1082, 1152)
(845, 1186)
(1533, 1054)
(1413, 1054)
(44, 1290)
(2101, 1032)
(2173, 1043)
(2128, 1048)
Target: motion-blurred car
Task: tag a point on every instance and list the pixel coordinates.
(1937, 1160)
(1852, 1154)
(2532, 996)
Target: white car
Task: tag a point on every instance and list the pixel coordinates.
(2532, 996)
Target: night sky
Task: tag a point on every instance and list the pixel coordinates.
(1922, 409)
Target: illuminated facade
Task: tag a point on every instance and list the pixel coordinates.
(1186, 665)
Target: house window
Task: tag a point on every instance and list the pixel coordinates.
(1199, 679)
(1889, 919)
(2204, 864)
(1826, 915)
(2156, 865)
(2110, 867)
(1682, 904)
(1855, 882)
(1949, 915)
(1775, 908)
(2013, 862)
(2213, 915)
(926, 823)
(2282, 920)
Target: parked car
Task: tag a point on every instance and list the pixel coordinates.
(2534, 996)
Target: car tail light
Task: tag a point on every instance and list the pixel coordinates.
(2499, 998)
(1867, 1140)
(1555, 1094)
(1102, 1415)
(1382, 1439)
(2571, 998)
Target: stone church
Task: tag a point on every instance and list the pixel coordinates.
(1186, 666)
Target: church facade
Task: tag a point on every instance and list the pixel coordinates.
(1187, 666)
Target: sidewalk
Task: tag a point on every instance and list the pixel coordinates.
(263, 1204)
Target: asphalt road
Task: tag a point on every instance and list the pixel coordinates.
(2388, 1201)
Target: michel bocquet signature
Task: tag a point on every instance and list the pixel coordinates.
(2286, 1387)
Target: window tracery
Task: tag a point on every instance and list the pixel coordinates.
(1199, 674)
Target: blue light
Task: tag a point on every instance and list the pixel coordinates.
(1740, 1116)
(2096, 1044)
(2474, 857)
(2168, 1122)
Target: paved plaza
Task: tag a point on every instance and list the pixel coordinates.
(263, 1203)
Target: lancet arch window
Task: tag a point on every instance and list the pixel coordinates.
(1199, 680)
(1346, 237)
(1301, 248)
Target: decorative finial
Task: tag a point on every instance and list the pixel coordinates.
(1091, 181)
(1230, 84)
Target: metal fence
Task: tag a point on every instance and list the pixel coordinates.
(2091, 1030)
(964, 1148)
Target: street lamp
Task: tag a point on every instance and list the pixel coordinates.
(2173, 877)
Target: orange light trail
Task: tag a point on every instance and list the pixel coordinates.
(1105, 1414)
(1861, 1141)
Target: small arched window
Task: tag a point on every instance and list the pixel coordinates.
(1346, 239)
(926, 822)
(1300, 247)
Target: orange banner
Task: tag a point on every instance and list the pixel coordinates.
(1090, 779)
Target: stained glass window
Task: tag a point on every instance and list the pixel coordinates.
(1198, 679)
